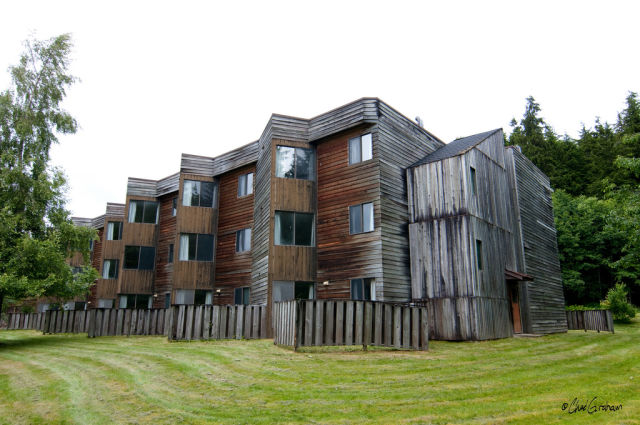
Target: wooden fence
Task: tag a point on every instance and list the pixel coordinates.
(116, 322)
(590, 320)
(330, 322)
(218, 322)
(24, 321)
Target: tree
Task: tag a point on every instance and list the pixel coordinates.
(36, 234)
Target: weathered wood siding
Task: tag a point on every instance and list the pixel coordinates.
(233, 269)
(353, 114)
(218, 322)
(208, 166)
(539, 245)
(166, 236)
(401, 143)
(342, 256)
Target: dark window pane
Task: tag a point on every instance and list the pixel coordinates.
(139, 212)
(304, 164)
(366, 286)
(200, 297)
(205, 248)
(285, 162)
(170, 259)
(304, 229)
(131, 256)
(283, 228)
(237, 296)
(147, 257)
(245, 295)
(174, 206)
(150, 212)
(304, 291)
(474, 188)
(207, 195)
(356, 289)
(354, 150)
(167, 300)
(355, 219)
(192, 246)
(142, 301)
(242, 185)
(479, 253)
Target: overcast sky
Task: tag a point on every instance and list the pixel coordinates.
(162, 78)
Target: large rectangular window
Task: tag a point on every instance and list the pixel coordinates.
(196, 247)
(139, 257)
(199, 194)
(243, 240)
(114, 230)
(295, 163)
(363, 289)
(360, 149)
(105, 303)
(245, 184)
(294, 228)
(143, 212)
(241, 295)
(361, 218)
(110, 269)
(193, 297)
(286, 290)
(135, 301)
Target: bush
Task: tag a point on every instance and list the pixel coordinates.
(587, 307)
(618, 302)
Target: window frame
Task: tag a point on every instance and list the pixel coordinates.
(245, 184)
(365, 283)
(110, 236)
(293, 235)
(295, 283)
(136, 301)
(311, 172)
(361, 208)
(352, 160)
(240, 237)
(117, 264)
(196, 249)
(194, 296)
(474, 181)
(145, 204)
(140, 251)
(243, 293)
(174, 206)
(479, 255)
(214, 193)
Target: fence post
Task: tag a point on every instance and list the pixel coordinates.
(91, 332)
(297, 328)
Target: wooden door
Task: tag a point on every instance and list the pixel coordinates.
(514, 299)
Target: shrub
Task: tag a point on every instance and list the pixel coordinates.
(618, 302)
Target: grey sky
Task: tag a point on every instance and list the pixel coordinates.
(162, 78)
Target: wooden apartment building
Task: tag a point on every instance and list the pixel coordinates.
(329, 207)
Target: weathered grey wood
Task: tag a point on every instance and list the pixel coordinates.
(154, 323)
(255, 325)
(264, 329)
(92, 320)
(308, 322)
(406, 327)
(215, 322)
(319, 323)
(348, 323)
(339, 323)
(388, 325)
(223, 322)
(231, 324)
(206, 322)
(240, 310)
(197, 326)
(377, 333)
(329, 329)
(424, 329)
(397, 326)
(359, 323)
(368, 324)
(120, 322)
(415, 328)
(188, 325)
(180, 323)
(65, 320)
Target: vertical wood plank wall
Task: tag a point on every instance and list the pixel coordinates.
(233, 269)
(166, 236)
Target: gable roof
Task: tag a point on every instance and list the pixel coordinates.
(455, 148)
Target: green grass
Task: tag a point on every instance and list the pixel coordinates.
(73, 379)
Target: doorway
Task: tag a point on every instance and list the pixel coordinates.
(514, 300)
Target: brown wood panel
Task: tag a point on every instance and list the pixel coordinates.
(166, 236)
(293, 195)
(193, 274)
(233, 269)
(340, 255)
(106, 288)
(135, 282)
(293, 263)
(96, 255)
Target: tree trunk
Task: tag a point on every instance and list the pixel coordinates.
(1, 302)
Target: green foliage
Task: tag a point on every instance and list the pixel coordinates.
(585, 307)
(618, 302)
(36, 234)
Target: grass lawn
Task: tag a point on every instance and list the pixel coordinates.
(73, 379)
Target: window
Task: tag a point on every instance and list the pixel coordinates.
(114, 230)
(245, 184)
(135, 301)
(472, 175)
(243, 240)
(241, 295)
(479, 253)
(105, 303)
(363, 289)
(143, 212)
(196, 247)
(167, 300)
(295, 163)
(293, 228)
(170, 259)
(361, 218)
(139, 257)
(110, 269)
(360, 149)
(193, 297)
(174, 207)
(283, 291)
(199, 194)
